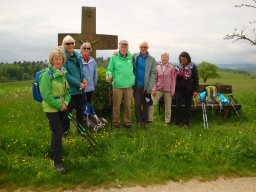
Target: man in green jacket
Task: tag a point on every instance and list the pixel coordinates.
(120, 72)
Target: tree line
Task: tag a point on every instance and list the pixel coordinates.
(20, 71)
(25, 70)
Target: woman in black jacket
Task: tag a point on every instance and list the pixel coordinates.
(186, 86)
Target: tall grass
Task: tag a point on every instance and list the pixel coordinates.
(130, 157)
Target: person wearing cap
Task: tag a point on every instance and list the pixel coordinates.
(164, 86)
(145, 73)
(76, 78)
(120, 72)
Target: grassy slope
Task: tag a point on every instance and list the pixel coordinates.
(138, 157)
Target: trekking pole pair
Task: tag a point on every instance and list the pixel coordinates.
(230, 96)
(205, 119)
(83, 131)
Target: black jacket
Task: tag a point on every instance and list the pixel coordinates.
(191, 84)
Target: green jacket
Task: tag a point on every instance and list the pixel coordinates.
(54, 91)
(75, 72)
(150, 72)
(120, 70)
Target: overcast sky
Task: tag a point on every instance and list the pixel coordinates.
(29, 28)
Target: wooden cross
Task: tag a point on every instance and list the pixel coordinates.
(88, 33)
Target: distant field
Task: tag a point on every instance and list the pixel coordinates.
(131, 157)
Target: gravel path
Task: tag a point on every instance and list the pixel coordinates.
(221, 185)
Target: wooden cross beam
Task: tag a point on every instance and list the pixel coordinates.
(88, 33)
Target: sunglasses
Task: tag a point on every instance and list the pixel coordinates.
(87, 48)
(142, 47)
(70, 43)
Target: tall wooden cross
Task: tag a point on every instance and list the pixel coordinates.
(88, 33)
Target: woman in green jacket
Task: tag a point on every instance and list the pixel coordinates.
(55, 92)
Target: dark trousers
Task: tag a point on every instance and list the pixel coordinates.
(89, 96)
(77, 102)
(183, 96)
(57, 125)
(141, 107)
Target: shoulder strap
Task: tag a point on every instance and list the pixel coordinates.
(49, 72)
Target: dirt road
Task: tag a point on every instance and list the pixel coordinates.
(220, 185)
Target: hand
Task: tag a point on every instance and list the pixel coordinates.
(84, 82)
(194, 94)
(63, 107)
(153, 93)
(115, 52)
(172, 94)
(108, 79)
(82, 86)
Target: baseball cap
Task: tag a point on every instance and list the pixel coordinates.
(123, 42)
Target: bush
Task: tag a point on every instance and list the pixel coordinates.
(102, 95)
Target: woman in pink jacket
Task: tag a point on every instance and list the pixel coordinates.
(164, 85)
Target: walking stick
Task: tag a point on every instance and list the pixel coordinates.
(83, 131)
(230, 101)
(205, 119)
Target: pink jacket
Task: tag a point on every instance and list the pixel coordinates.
(165, 80)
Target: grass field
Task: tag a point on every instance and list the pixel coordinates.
(131, 157)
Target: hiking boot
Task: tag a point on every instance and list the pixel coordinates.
(128, 126)
(59, 167)
(185, 126)
(117, 126)
(147, 125)
(166, 124)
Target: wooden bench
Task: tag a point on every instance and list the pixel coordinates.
(223, 109)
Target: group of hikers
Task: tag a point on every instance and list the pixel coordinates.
(73, 78)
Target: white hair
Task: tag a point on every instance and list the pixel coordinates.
(87, 44)
(165, 53)
(67, 39)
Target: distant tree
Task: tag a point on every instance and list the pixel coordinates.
(207, 71)
(240, 34)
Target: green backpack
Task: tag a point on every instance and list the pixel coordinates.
(211, 94)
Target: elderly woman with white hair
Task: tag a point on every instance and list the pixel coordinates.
(164, 86)
(76, 78)
(90, 68)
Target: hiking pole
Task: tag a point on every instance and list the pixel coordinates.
(84, 132)
(205, 119)
(231, 97)
(203, 114)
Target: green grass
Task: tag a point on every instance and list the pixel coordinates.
(138, 157)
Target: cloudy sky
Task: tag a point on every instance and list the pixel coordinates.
(29, 28)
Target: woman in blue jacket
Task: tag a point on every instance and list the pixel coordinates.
(90, 69)
(77, 80)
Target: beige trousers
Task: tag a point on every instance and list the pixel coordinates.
(118, 95)
(167, 106)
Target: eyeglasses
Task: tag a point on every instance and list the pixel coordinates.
(142, 47)
(87, 48)
(70, 43)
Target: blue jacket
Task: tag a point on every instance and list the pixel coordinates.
(150, 72)
(75, 72)
(90, 69)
